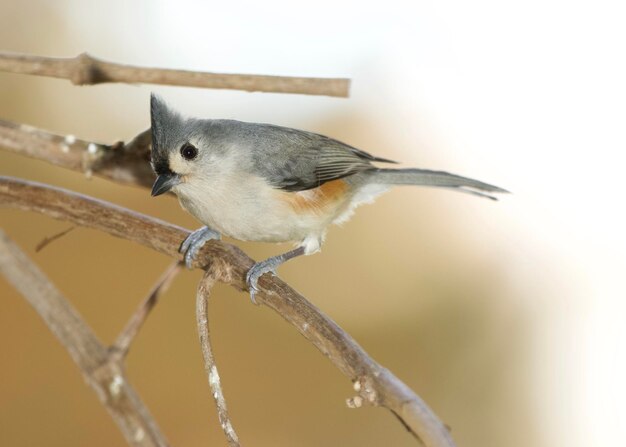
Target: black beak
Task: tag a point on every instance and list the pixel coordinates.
(164, 183)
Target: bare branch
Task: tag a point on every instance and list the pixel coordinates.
(123, 163)
(87, 70)
(105, 376)
(202, 319)
(128, 334)
(377, 385)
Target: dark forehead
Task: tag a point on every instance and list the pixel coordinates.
(167, 138)
(160, 162)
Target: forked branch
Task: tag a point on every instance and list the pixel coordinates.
(374, 384)
(102, 371)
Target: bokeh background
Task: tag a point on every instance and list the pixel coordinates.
(507, 317)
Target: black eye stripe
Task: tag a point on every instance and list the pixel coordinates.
(188, 151)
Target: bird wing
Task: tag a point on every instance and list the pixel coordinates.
(295, 160)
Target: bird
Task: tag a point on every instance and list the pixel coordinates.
(267, 183)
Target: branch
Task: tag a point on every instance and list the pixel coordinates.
(87, 70)
(101, 371)
(375, 384)
(127, 163)
(202, 319)
(49, 239)
(128, 334)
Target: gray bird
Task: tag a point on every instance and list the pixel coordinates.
(260, 182)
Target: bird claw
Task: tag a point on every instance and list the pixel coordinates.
(268, 266)
(194, 242)
(253, 275)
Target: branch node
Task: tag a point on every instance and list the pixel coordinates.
(109, 375)
(85, 70)
(68, 141)
(354, 402)
(115, 386)
(91, 156)
(366, 388)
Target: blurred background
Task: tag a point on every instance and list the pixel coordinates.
(507, 317)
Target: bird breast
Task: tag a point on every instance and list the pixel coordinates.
(250, 209)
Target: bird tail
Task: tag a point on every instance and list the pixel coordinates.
(439, 179)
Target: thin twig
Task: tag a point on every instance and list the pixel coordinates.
(377, 385)
(202, 319)
(87, 70)
(102, 372)
(47, 240)
(122, 344)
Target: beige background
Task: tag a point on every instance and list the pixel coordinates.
(506, 317)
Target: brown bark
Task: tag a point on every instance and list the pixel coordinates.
(102, 370)
(87, 70)
(374, 384)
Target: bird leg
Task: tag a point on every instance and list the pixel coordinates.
(268, 265)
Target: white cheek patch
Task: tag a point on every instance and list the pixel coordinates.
(178, 165)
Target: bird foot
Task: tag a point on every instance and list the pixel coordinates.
(258, 270)
(268, 266)
(195, 241)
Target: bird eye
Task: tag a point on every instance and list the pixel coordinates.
(188, 151)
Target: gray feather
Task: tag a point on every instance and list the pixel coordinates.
(166, 125)
(296, 160)
(441, 179)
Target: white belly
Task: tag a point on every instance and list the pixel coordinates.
(248, 209)
(245, 207)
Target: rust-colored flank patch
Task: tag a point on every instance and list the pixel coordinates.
(317, 200)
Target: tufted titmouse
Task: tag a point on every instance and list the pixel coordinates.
(260, 182)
